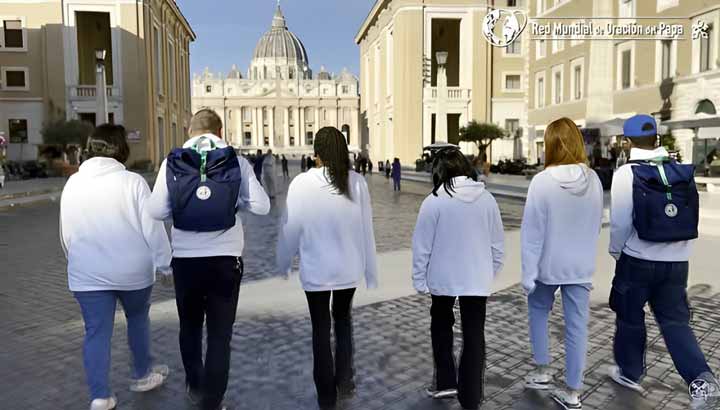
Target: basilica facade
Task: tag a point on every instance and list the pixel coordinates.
(280, 103)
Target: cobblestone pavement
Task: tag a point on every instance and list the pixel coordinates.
(41, 335)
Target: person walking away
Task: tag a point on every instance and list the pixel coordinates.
(203, 202)
(388, 169)
(370, 166)
(113, 250)
(396, 174)
(303, 164)
(285, 170)
(560, 253)
(363, 164)
(258, 165)
(268, 174)
(653, 222)
(447, 269)
(334, 256)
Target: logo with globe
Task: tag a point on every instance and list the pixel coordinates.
(701, 389)
(512, 22)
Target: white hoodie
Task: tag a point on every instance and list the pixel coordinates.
(458, 243)
(623, 236)
(561, 226)
(333, 234)
(229, 242)
(110, 243)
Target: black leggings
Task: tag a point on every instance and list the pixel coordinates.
(328, 377)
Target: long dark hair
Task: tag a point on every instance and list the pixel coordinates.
(331, 147)
(449, 163)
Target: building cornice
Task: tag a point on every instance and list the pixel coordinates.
(371, 17)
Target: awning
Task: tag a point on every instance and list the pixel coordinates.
(614, 127)
(705, 133)
(702, 122)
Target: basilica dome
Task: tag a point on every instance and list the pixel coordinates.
(280, 44)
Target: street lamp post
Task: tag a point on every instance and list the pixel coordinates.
(101, 113)
(441, 110)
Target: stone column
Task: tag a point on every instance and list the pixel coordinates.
(316, 126)
(301, 128)
(271, 126)
(259, 126)
(298, 126)
(286, 131)
(253, 127)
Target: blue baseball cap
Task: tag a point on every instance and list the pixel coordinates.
(639, 126)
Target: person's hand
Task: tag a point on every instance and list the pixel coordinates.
(165, 276)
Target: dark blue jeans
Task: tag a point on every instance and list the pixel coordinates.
(663, 285)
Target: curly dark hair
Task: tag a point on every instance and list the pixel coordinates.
(450, 163)
(330, 146)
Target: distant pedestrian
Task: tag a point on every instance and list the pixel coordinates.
(268, 174)
(204, 204)
(370, 166)
(560, 253)
(303, 163)
(258, 165)
(114, 251)
(396, 174)
(653, 222)
(388, 169)
(310, 164)
(285, 170)
(334, 256)
(363, 164)
(448, 269)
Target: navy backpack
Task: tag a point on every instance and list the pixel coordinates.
(203, 187)
(666, 201)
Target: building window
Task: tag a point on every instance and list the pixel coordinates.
(13, 32)
(292, 141)
(558, 45)
(666, 47)
(512, 125)
(512, 82)
(291, 73)
(540, 49)
(247, 141)
(540, 90)
(626, 69)
(246, 114)
(15, 79)
(515, 47)
(345, 89)
(627, 8)
(578, 80)
(512, 3)
(309, 138)
(705, 107)
(706, 49)
(157, 46)
(557, 84)
(208, 89)
(18, 131)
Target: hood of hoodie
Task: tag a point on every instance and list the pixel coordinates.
(466, 190)
(100, 166)
(638, 154)
(573, 178)
(219, 143)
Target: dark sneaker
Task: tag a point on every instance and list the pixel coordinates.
(194, 395)
(705, 393)
(346, 390)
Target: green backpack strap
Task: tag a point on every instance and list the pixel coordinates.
(203, 155)
(659, 163)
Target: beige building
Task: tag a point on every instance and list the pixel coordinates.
(402, 103)
(47, 70)
(594, 82)
(279, 104)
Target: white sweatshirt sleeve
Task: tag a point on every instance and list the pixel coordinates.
(532, 233)
(621, 210)
(64, 233)
(497, 237)
(153, 231)
(252, 197)
(371, 270)
(422, 244)
(158, 205)
(290, 229)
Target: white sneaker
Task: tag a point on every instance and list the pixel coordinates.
(616, 375)
(441, 394)
(153, 380)
(569, 399)
(104, 404)
(538, 379)
(705, 393)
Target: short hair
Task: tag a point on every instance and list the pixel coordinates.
(564, 144)
(109, 141)
(205, 121)
(643, 142)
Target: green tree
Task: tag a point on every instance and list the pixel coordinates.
(482, 134)
(69, 135)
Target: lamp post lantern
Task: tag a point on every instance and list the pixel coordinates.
(101, 113)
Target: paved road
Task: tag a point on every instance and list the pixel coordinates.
(41, 334)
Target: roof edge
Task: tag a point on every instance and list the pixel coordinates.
(372, 16)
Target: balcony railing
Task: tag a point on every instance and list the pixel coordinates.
(80, 92)
(453, 93)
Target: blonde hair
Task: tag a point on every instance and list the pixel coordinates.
(564, 144)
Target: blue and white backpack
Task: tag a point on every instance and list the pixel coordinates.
(203, 185)
(666, 201)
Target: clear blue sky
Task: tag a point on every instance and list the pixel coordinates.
(227, 31)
